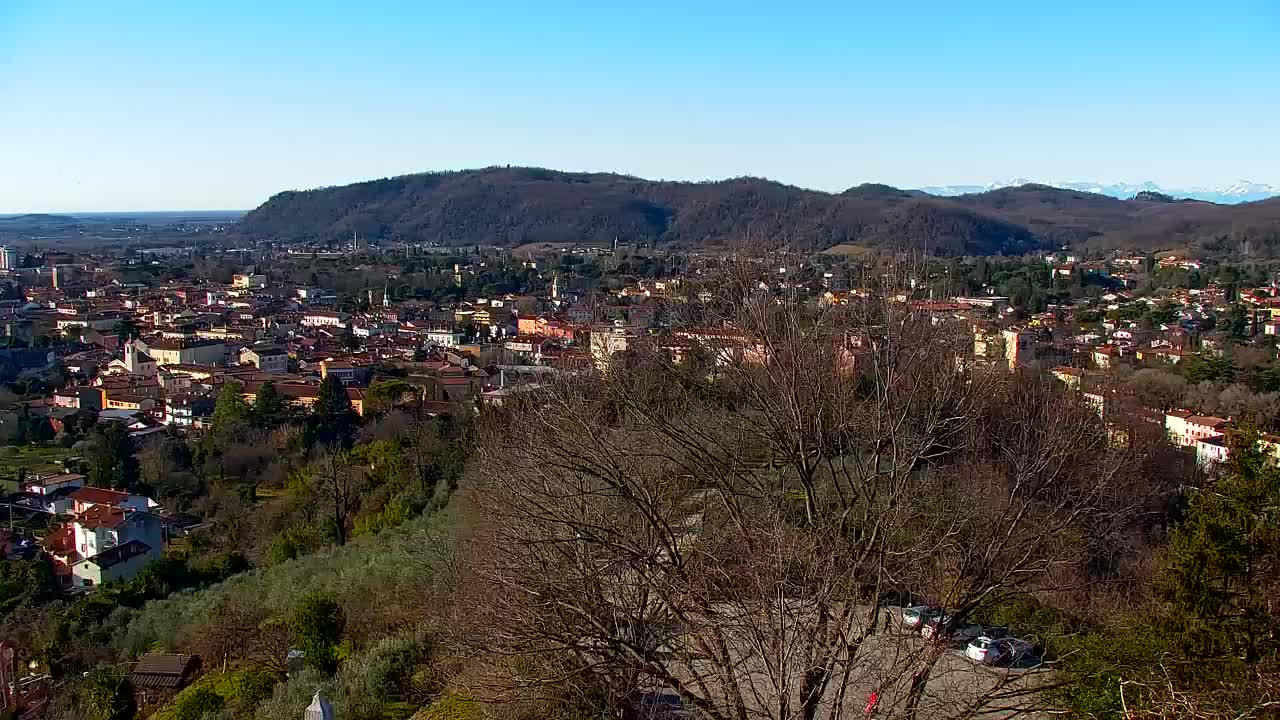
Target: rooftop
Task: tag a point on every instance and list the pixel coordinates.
(118, 554)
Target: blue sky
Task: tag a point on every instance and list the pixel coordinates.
(145, 105)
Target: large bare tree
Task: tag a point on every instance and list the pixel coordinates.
(737, 534)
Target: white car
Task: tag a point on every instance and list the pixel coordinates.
(992, 651)
(914, 617)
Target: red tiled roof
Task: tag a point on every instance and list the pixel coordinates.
(101, 516)
(99, 496)
(61, 541)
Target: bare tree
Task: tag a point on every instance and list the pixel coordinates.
(338, 487)
(242, 632)
(735, 537)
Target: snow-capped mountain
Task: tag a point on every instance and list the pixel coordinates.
(1237, 192)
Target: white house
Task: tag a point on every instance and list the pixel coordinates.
(1212, 450)
(86, 498)
(114, 544)
(49, 483)
(1186, 430)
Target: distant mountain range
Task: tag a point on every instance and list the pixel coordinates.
(1237, 192)
(511, 206)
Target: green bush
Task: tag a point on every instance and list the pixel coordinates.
(195, 702)
(373, 684)
(239, 691)
(1095, 663)
(452, 707)
(316, 626)
(296, 541)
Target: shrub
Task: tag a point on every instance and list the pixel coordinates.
(451, 707)
(317, 625)
(194, 702)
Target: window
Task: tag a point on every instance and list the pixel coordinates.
(88, 582)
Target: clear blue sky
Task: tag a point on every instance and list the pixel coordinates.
(183, 105)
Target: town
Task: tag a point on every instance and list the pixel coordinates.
(112, 357)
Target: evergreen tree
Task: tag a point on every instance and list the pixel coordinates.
(269, 406)
(333, 399)
(1223, 559)
(332, 421)
(316, 625)
(231, 412)
(348, 339)
(113, 458)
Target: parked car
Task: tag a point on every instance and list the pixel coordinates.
(914, 617)
(961, 632)
(998, 651)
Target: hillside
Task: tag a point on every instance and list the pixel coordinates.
(514, 206)
(36, 221)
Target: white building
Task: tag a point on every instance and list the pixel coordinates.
(50, 483)
(1212, 450)
(445, 338)
(87, 498)
(185, 352)
(8, 258)
(1185, 429)
(324, 318)
(606, 341)
(114, 544)
(268, 359)
(1019, 347)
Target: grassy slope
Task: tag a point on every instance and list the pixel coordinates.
(368, 569)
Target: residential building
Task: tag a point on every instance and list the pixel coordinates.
(606, 341)
(1071, 377)
(125, 401)
(445, 338)
(87, 498)
(1211, 450)
(186, 352)
(324, 318)
(248, 280)
(187, 410)
(1104, 356)
(114, 544)
(341, 369)
(50, 483)
(267, 358)
(1186, 429)
(1019, 347)
(304, 394)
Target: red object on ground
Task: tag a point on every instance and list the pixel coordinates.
(872, 700)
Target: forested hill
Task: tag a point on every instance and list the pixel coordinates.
(514, 206)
